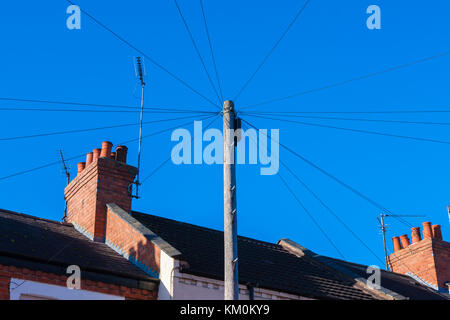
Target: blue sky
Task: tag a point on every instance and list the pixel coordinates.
(42, 59)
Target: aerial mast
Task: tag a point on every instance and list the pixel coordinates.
(140, 74)
(383, 230)
(66, 170)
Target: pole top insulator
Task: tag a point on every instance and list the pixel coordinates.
(228, 106)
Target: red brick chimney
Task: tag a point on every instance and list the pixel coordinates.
(100, 180)
(426, 259)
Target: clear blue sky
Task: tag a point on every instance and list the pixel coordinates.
(42, 59)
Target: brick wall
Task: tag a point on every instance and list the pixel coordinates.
(5, 279)
(8, 272)
(123, 234)
(441, 250)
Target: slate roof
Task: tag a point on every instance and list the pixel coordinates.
(400, 285)
(35, 243)
(30, 241)
(271, 266)
(261, 264)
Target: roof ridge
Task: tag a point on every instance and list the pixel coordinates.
(362, 265)
(28, 216)
(209, 229)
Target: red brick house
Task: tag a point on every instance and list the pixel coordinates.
(123, 254)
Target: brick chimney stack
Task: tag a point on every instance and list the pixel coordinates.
(104, 178)
(427, 259)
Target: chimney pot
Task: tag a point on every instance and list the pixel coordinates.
(96, 153)
(106, 149)
(427, 233)
(437, 234)
(81, 166)
(405, 241)
(113, 155)
(397, 245)
(121, 153)
(89, 158)
(415, 234)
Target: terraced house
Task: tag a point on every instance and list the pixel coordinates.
(123, 254)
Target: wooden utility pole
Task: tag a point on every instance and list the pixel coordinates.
(230, 212)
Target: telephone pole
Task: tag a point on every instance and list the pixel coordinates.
(231, 279)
